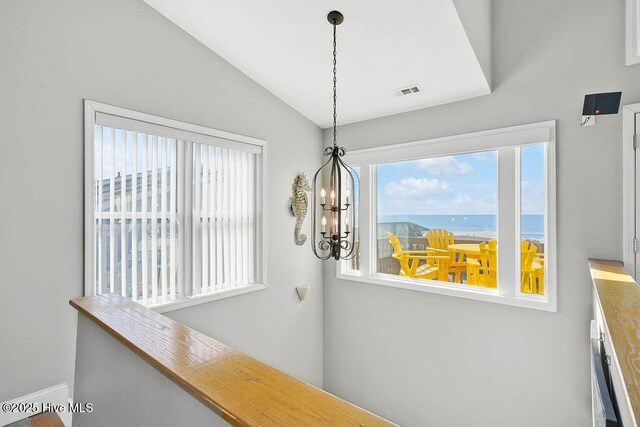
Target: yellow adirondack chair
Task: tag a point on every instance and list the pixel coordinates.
(484, 271)
(532, 278)
(420, 264)
(528, 274)
(540, 277)
(540, 273)
(439, 241)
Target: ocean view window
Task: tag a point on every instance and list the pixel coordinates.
(354, 264)
(434, 213)
(469, 215)
(532, 219)
(172, 209)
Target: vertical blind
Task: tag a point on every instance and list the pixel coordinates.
(173, 218)
(224, 214)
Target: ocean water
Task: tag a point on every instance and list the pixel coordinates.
(532, 225)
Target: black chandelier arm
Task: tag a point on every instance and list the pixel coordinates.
(351, 171)
(346, 166)
(322, 167)
(331, 208)
(354, 175)
(334, 208)
(352, 254)
(333, 237)
(324, 245)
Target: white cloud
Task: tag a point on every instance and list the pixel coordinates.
(447, 165)
(416, 187)
(439, 204)
(463, 199)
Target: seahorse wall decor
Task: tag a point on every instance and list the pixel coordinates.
(299, 205)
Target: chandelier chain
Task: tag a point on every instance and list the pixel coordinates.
(335, 96)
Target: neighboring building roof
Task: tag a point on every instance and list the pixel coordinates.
(408, 229)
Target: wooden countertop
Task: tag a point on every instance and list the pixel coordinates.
(242, 390)
(619, 298)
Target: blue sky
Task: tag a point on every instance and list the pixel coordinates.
(463, 184)
(106, 160)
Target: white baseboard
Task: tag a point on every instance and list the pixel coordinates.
(56, 395)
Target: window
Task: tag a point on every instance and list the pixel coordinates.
(470, 216)
(632, 45)
(173, 210)
(354, 263)
(532, 219)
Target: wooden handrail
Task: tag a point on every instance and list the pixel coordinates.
(618, 299)
(239, 388)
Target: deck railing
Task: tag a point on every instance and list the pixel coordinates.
(388, 265)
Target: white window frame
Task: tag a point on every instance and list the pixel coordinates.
(632, 33)
(507, 142)
(184, 130)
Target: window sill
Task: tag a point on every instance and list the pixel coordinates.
(451, 289)
(202, 299)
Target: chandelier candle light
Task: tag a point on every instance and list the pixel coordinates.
(337, 238)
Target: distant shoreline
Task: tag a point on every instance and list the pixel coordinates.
(483, 226)
(494, 235)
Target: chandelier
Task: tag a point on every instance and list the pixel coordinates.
(337, 237)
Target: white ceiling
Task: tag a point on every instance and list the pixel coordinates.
(286, 47)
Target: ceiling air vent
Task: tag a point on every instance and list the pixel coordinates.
(407, 90)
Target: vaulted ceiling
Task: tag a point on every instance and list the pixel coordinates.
(442, 46)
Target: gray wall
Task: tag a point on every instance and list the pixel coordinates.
(476, 20)
(134, 395)
(424, 359)
(122, 52)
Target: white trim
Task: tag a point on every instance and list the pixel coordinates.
(120, 122)
(628, 197)
(507, 143)
(367, 219)
(261, 218)
(241, 142)
(508, 221)
(170, 123)
(550, 230)
(632, 40)
(202, 299)
(89, 198)
(449, 289)
(57, 395)
(533, 133)
(517, 216)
